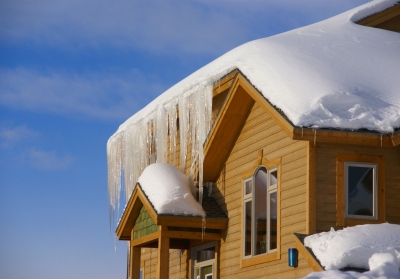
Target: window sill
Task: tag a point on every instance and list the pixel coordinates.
(259, 259)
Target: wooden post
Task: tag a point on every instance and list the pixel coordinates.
(163, 258)
(135, 263)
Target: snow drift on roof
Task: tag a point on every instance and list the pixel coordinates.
(381, 266)
(169, 190)
(354, 246)
(331, 74)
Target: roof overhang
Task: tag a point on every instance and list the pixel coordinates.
(233, 114)
(139, 199)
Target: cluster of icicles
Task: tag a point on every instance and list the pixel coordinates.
(145, 141)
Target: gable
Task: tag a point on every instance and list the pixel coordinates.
(388, 19)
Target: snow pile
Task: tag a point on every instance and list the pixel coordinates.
(381, 266)
(169, 190)
(332, 74)
(354, 246)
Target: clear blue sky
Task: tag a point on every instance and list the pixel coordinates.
(70, 73)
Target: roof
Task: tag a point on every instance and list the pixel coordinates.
(331, 74)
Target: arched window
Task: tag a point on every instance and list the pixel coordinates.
(260, 212)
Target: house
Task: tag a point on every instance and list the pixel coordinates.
(292, 134)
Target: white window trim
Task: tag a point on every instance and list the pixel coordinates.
(251, 197)
(204, 263)
(374, 191)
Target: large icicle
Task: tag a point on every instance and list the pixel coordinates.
(145, 140)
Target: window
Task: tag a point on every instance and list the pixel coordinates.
(360, 189)
(260, 215)
(203, 261)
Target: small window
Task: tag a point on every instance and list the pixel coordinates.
(361, 191)
(260, 212)
(203, 261)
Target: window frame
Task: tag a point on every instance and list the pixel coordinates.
(211, 262)
(343, 161)
(272, 254)
(374, 167)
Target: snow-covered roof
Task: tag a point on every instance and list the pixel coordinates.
(369, 247)
(331, 74)
(354, 246)
(169, 190)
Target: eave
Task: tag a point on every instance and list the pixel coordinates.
(139, 199)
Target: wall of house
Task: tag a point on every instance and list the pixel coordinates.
(326, 181)
(261, 132)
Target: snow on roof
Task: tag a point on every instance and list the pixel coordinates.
(331, 74)
(169, 190)
(354, 246)
(381, 265)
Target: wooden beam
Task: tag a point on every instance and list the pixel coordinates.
(347, 137)
(163, 258)
(191, 222)
(307, 256)
(134, 270)
(145, 239)
(191, 235)
(224, 83)
(226, 130)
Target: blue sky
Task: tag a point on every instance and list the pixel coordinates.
(70, 73)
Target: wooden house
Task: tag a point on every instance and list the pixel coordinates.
(267, 180)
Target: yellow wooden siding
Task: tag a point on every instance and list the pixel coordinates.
(326, 181)
(261, 132)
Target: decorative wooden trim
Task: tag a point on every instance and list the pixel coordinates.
(380, 17)
(163, 258)
(273, 255)
(307, 256)
(145, 239)
(259, 259)
(341, 158)
(135, 203)
(191, 235)
(347, 137)
(311, 190)
(191, 222)
(134, 265)
(217, 259)
(224, 83)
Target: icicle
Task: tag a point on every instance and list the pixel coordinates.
(161, 134)
(381, 140)
(183, 132)
(203, 228)
(315, 136)
(130, 150)
(302, 132)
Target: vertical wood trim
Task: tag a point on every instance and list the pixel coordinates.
(340, 204)
(311, 191)
(135, 262)
(163, 258)
(216, 261)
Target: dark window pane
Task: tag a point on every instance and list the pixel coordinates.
(360, 190)
(273, 220)
(273, 178)
(247, 241)
(260, 211)
(206, 254)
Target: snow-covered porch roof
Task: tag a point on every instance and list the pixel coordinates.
(162, 192)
